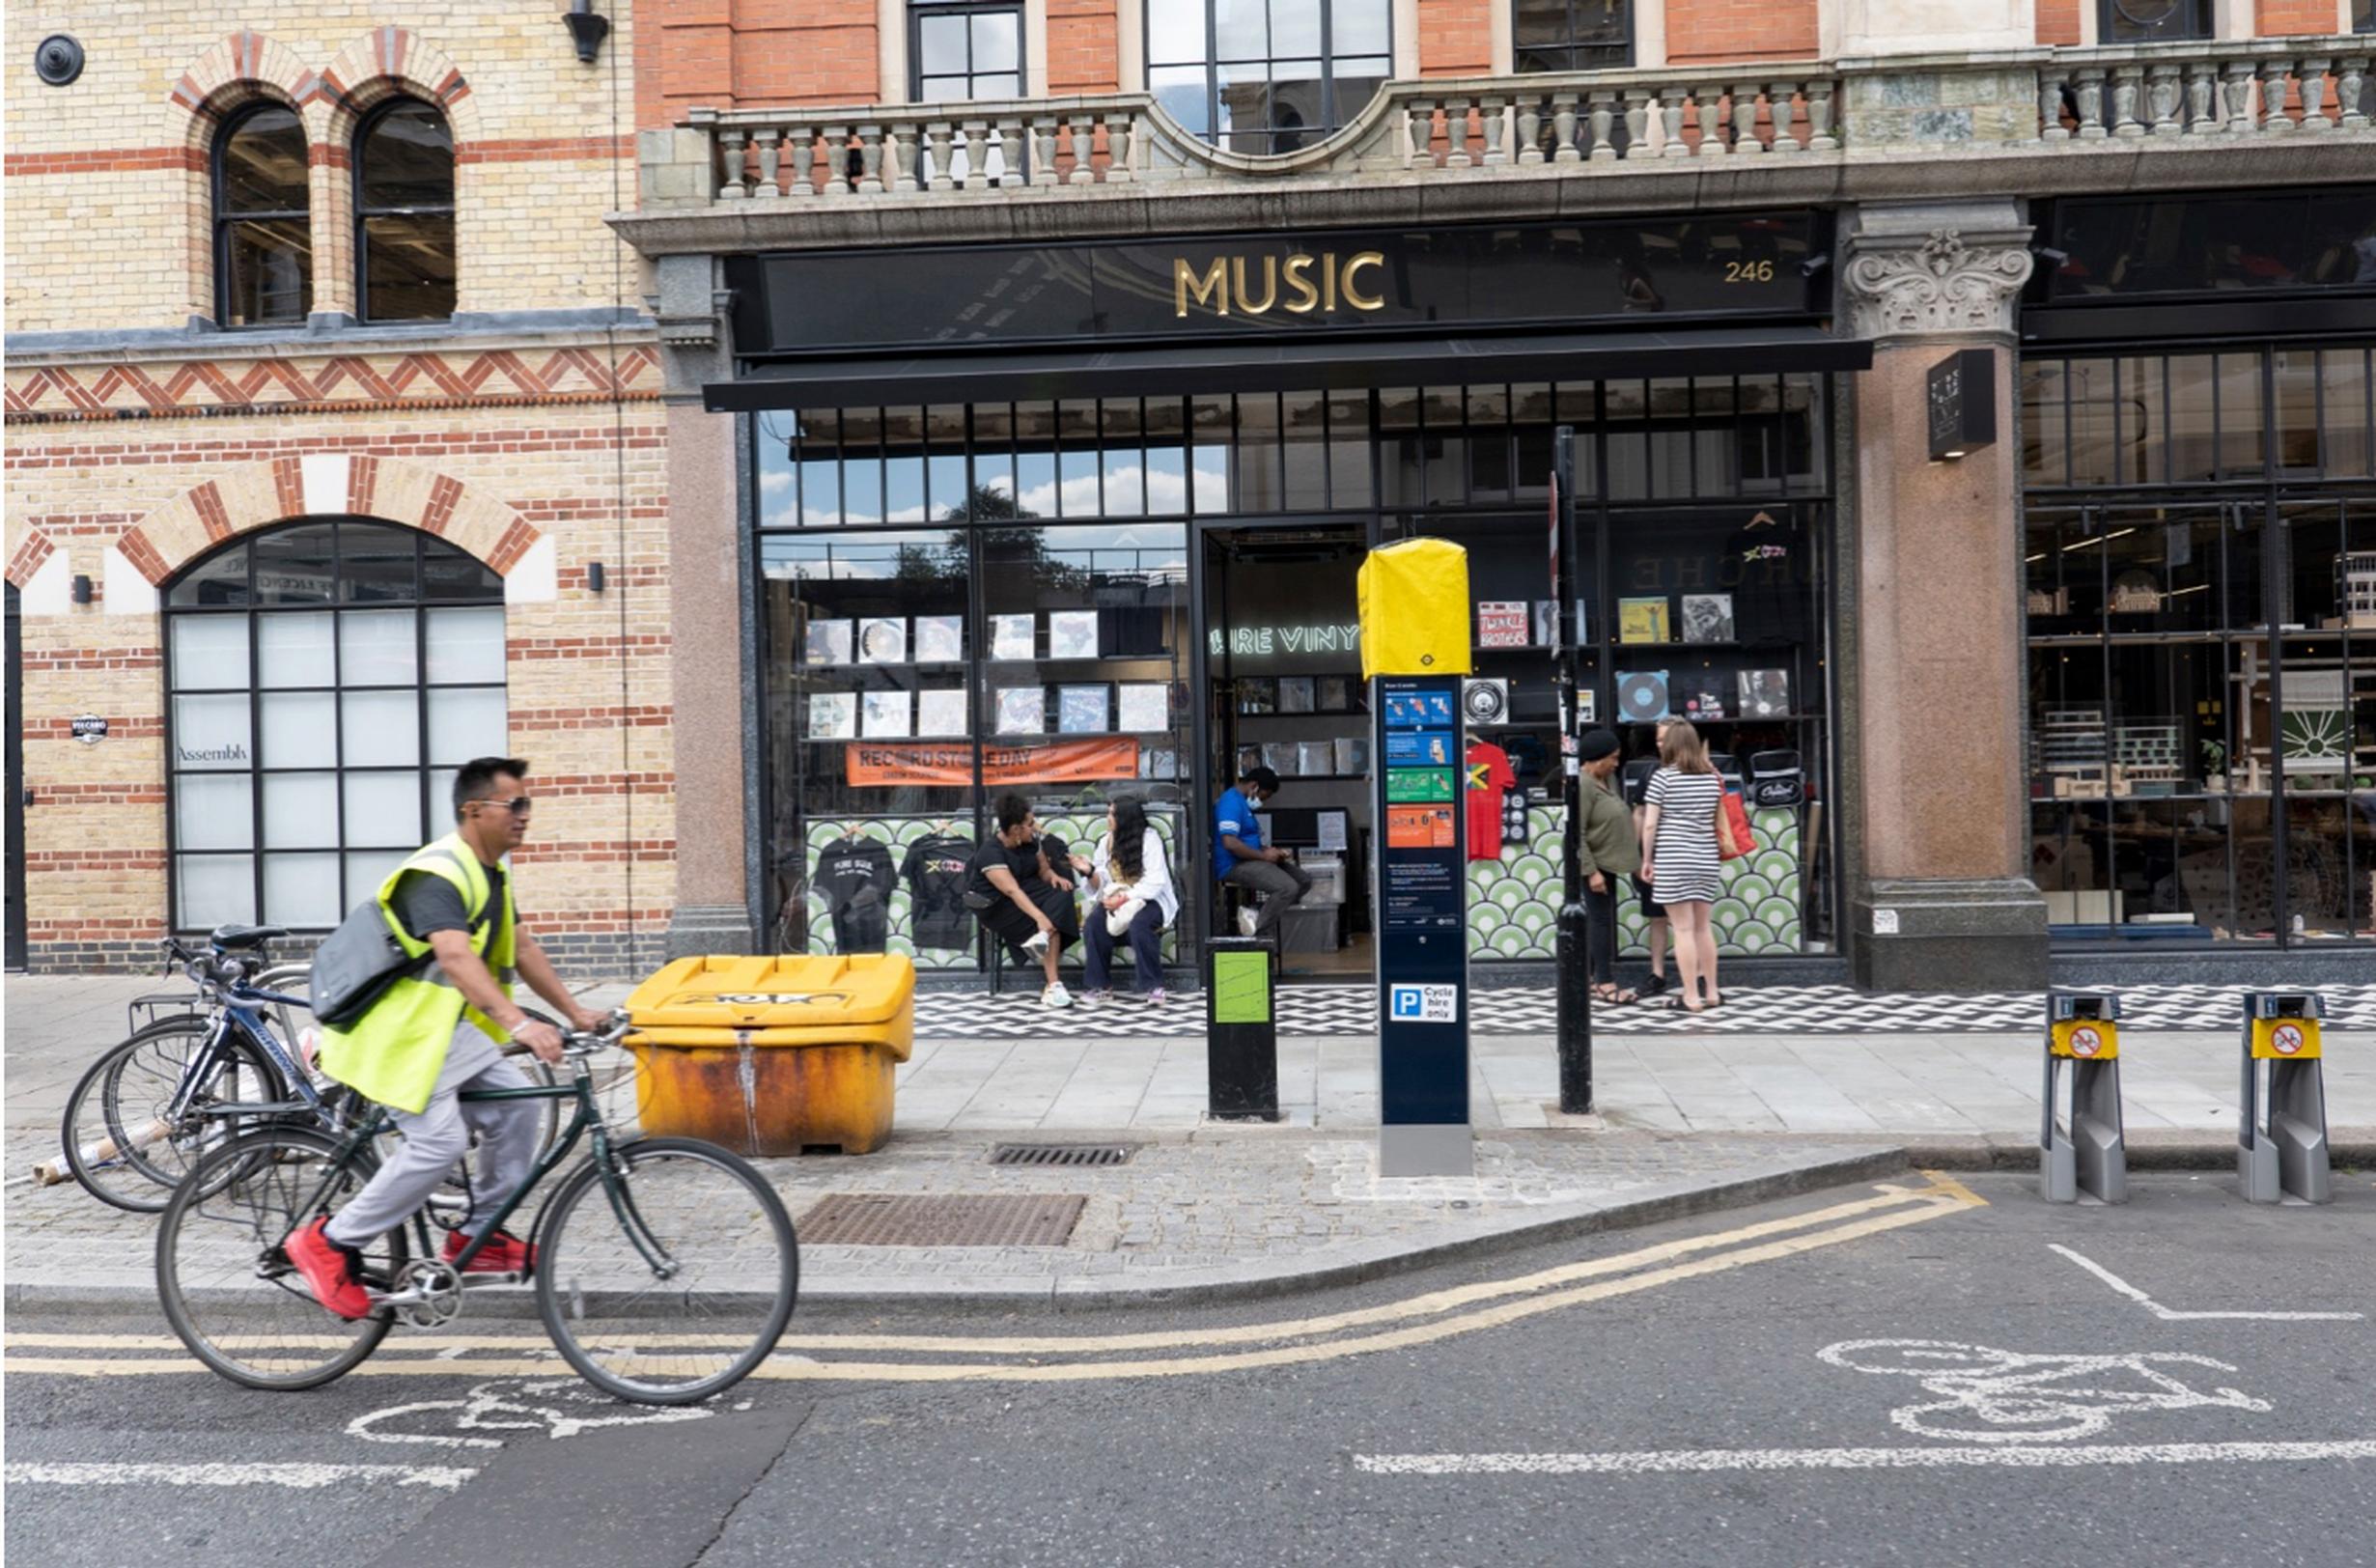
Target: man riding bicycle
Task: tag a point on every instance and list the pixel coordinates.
(434, 1034)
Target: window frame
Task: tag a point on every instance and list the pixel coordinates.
(1336, 116)
(919, 10)
(1518, 51)
(419, 603)
(2201, 27)
(363, 213)
(223, 221)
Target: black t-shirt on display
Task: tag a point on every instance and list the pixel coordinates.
(936, 871)
(1763, 563)
(857, 881)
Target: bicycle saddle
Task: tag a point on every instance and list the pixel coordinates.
(230, 939)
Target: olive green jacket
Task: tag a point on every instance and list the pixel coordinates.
(1611, 842)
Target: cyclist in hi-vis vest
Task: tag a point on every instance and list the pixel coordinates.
(431, 1035)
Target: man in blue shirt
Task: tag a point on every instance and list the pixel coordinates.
(1240, 858)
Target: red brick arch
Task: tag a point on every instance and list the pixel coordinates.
(253, 496)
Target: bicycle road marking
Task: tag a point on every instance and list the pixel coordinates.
(2018, 1397)
(305, 1477)
(486, 1409)
(2172, 1315)
(1546, 1291)
(1700, 1461)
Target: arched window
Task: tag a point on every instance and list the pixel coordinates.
(323, 682)
(263, 246)
(1262, 76)
(403, 214)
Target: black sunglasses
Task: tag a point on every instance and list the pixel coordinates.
(519, 806)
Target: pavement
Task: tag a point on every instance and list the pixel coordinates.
(1206, 1211)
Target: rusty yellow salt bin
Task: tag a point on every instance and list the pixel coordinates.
(774, 1055)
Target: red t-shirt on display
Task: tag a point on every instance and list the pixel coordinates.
(1488, 776)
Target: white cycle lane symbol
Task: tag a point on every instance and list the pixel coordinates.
(1989, 1395)
(504, 1405)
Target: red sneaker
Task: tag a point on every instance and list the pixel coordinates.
(503, 1253)
(327, 1272)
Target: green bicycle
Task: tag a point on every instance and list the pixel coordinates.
(672, 1288)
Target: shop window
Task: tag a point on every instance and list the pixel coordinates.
(1268, 76)
(403, 202)
(323, 683)
(2152, 22)
(1571, 34)
(264, 244)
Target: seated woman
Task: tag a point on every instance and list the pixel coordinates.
(1129, 879)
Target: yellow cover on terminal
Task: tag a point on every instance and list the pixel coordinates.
(1414, 610)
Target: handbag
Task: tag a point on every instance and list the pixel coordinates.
(1118, 919)
(1733, 838)
(1776, 780)
(356, 963)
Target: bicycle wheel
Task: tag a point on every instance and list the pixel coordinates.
(228, 1288)
(732, 1264)
(120, 1142)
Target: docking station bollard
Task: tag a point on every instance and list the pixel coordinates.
(2082, 1031)
(1240, 1031)
(2281, 1143)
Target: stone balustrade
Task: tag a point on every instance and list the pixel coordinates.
(2237, 88)
(1499, 127)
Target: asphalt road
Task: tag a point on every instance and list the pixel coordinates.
(1737, 1388)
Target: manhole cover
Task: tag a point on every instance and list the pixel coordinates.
(903, 1219)
(1061, 1154)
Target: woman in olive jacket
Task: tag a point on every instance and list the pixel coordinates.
(1612, 849)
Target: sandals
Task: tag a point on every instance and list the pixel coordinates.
(1614, 994)
(1679, 1004)
(1655, 986)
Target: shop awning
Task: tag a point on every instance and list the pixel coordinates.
(1311, 363)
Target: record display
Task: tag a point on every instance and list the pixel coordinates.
(1145, 708)
(1765, 693)
(833, 715)
(941, 712)
(883, 641)
(1707, 618)
(888, 715)
(1641, 696)
(1022, 710)
(939, 639)
(1013, 636)
(1072, 634)
(1485, 701)
(1082, 709)
(826, 642)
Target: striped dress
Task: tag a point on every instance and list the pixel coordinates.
(1683, 853)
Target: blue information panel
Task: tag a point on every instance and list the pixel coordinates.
(1422, 919)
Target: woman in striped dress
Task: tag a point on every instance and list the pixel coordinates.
(1679, 858)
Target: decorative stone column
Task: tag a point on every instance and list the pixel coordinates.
(1932, 670)
(710, 622)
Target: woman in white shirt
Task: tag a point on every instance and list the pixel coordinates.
(1129, 879)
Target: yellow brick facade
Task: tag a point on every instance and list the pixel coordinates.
(528, 434)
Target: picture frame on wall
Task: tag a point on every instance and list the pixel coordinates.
(1334, 694)
(1013, 637)
(1257, 694)
(1294, 695)
(939, 639)
(942, 711)
(1082, 709)
(1022, 710)
(1072, 634)
(888, 715)
(1144, 708)
(833, 715)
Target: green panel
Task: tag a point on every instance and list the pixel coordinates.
(1242, 988)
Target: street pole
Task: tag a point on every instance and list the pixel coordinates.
(1575, 965)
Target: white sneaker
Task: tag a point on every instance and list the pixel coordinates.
(1246, 922)
(1056, 996)
(1036, 943)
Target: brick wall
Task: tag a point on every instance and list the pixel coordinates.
(2285, 18)
(119, 157)
(2059, 21)
(1727, 30)
(1084, 48)
(1456, 37)
(718, 53)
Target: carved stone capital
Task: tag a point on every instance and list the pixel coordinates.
(1943, 282)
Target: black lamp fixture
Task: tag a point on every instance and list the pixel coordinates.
(82, 589)
(588, 27)
(594, 576)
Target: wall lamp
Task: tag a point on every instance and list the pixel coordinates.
(588, 27)
(594, 576)
(82, 589)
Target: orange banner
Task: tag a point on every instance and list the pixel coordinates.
(874, 766)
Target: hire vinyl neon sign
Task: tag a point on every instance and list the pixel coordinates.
(1286, 639)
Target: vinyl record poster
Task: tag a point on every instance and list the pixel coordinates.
(1641, 696)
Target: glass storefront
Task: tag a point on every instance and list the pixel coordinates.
(2200, 563)
(1080, 599)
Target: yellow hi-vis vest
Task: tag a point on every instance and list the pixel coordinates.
(394, 1053)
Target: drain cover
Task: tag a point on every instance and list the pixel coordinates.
(904, 1219)
(1062, 1153)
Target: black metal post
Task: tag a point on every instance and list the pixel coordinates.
(1575, 964)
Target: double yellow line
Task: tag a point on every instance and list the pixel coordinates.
(1417, 1320)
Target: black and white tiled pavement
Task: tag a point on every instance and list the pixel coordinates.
(1771, 1010)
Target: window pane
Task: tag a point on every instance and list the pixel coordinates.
(376, 648)
(269, 273)
(376, 566)
(211, 733)
(465, 645)
(2343, 411)
(1295, 26)
(1175, 34)
(210, 652)
(264, 164)
(2242, 441)
(214, 890)
(384, 808)
(1239, 30)
(294, 650)
(447, 573)
(298, 566)
(997, 40)
(409, 266)
(219, 579)
(1181, 90)
(1359, 26)
(942, 45)
(214, 813)
(366, 870)
(302, 890)
(407, 159)
(379, 729)
(300, 811)
(299, 728)
(464, 724)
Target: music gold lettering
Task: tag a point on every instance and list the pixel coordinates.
(1313, 284)
(1299, 272)
(1209, 290)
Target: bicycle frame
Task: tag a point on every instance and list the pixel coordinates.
(239, 1014)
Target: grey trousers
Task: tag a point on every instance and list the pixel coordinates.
(1283, 886)
(439, 1134)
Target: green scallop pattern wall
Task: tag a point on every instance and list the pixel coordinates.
(1514, 902)
(1081, 829)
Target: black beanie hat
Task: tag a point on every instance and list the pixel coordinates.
(1596, 744)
